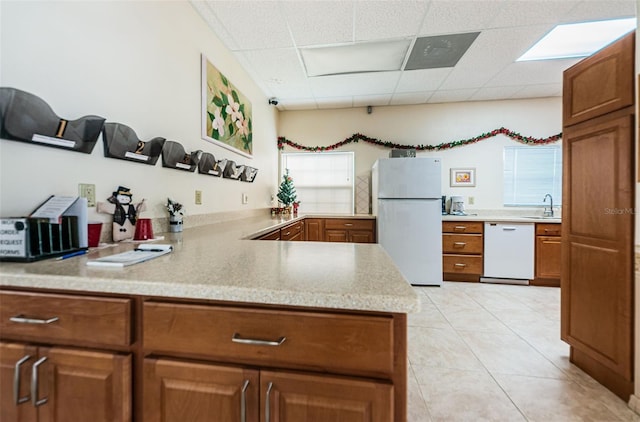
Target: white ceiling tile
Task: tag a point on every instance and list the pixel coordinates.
(204, 9)
(532, 73)
(422, 79)
(253, 24)
(354, 84)
(411, 98)
(447, 17)
(494, 93)
(276, 64)
(376, 20)
(531, 12)
(298, 104)
(451, 96)
(319, 22)
(539, 91)
(371, 100)
(334, 102)
(589, 10)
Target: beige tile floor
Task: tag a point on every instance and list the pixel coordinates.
(489, 352)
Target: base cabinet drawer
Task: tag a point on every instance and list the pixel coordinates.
(462, 243)
(341, 343)
(462, 264)
(64, 319)
(476, 227)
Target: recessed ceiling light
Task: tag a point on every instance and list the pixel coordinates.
(355, 58)
(578, 39)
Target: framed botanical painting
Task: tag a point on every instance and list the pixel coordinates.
(462, 177)
(226, 113)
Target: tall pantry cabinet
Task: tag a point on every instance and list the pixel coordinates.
(598, 222)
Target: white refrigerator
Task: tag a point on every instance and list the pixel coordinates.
(407, 201)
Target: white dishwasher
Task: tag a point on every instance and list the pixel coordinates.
(508, 253)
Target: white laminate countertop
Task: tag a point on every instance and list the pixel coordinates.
(217, 262)
(502, 218)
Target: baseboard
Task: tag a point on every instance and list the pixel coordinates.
(504, 281)
(634, 403)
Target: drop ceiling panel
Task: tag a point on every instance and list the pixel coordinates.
(531, 12)
(494, 93)
(451, 96)
(539, 91)
(335, 102)
(422, 79)
(297, 104)
(204, 8)
(446, 16)
(377, 20)
(371, 100)
(601, 9)
(533, 72)
(411, 98)
(253, 24)
(320, 23)
(353, 84)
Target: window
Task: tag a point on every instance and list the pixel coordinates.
(323, 181)
(530, 173)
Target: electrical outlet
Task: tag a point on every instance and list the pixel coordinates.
(472, 200)
(198, 197)
(245, 198)
(88, 191)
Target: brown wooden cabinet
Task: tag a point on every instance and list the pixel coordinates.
(293, 231)
(296, 365)
(462, 249)
(352, 230)
(48, 352)
(273, 235)
(597, 284)
(314, 229)
(548, 255)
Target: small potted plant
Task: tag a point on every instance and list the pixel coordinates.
(287, 193)
(176, 212)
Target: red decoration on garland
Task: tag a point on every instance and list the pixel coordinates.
(356, 137)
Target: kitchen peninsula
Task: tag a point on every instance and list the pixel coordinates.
(233, 327)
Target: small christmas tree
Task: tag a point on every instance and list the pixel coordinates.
(287, 192)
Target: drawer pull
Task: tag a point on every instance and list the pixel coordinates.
(243, 402)
(287, 233)
(460, 228)
(267, 402)
(460, 265)
(348, 224)
(508, 229)
(21, 319)
(459, 244)
(34, 383)
(551, 231)
(257, 342)
(16, 382)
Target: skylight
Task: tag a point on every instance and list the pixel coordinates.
(578, 39)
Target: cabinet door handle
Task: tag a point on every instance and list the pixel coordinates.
(267, 403)
(508, 229)
(21, 319)
(16, 382)
(243, 402)
(287, 233)
(34, 383)
(459, 265)
(257, 342)
(459, 244)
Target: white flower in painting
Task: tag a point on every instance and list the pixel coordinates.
(233, 109)
(218, 122)
(243, 126)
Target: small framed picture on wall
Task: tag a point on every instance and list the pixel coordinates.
(462, 177)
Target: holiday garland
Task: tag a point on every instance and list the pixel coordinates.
(356, 137)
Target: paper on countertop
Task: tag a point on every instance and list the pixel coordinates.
(140, 254)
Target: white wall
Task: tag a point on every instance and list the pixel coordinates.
(132, 62)
(433, 124)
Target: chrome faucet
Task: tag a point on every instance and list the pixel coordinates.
(548, 212)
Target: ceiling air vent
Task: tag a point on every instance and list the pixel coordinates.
(439, 51)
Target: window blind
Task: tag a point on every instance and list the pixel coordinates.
(530, 172)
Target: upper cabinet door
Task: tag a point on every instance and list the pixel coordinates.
(599, 84)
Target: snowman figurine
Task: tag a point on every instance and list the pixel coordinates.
(124, 213)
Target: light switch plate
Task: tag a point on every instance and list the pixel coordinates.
(86, 190)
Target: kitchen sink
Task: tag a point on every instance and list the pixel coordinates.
(541, 217)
